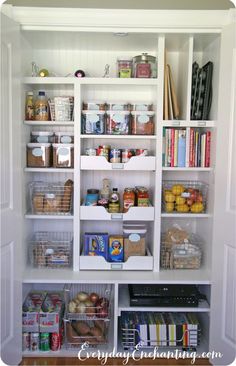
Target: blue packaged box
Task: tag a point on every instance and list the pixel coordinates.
(96, 244)
(116, 248)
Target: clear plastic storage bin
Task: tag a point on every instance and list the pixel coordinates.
(64, 137)
(38, 155)
(42, 137)
(142, 123)
(93, 122)
(118, 123)
(63, 155)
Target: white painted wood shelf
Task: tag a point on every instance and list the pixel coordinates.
(49, 170)
(140, 163)
(99, 213)
(119, 137)
(186, 215)
(49, 80)
(49, 123)
(188, 123)
(185, 169)
(49, 217)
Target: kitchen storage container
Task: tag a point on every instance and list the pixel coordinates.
(182, 196)
(118, 123)
(38, 155)
(63, 137)
(51, 250)
(42, 137)
(124, 68)
(93, 122)
(142, 123)
(181, 255)
(63, 155)
(51, 198)
(61, 108)
(134, 240)
(144, 66)
(94, 106)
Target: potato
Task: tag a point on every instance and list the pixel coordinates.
(100, 324)
(81, 327)
(71, 335)
(72, 307)
(97, 333)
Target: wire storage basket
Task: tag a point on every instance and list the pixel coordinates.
(88, 301)
(51, 198)
(61, 108)
(93, 332)
(149, 330)
(181, 196)
(51, 250)
(186, 254)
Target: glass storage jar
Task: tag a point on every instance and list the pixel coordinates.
(124, 68)
(144, 66)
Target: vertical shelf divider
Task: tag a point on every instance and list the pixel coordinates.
(189, 84)
(158, 174)
(77, 142)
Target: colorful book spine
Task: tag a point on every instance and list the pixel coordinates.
(187, 147)
(203, 150)
(164, 147)
(172, 149)
(181, 148)
(176, 138)
(152, 330)
(208, 149)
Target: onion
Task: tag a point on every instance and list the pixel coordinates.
(82, 296)
(94, 297)
(81, 308)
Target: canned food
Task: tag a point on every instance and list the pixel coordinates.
(115, 155)
(44, 342)
(34, 341)
(127, 154)
(141, 152)
(90, 151)
(103, 151)
(26, 341)
(55, 341)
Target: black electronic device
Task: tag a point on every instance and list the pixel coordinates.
(164, 295)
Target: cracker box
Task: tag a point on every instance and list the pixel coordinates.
(116, 248)
(96, 244)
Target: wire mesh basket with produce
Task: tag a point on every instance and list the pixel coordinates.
(184, 197)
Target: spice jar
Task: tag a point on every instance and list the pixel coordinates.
(144, 66)
(142, 197)
(128, 199)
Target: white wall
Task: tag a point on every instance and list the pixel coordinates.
(128, 4)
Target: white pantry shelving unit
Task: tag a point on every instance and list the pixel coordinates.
(182, 37)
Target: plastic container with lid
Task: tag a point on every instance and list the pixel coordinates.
(64, 137)
(134, 240)
(144, 66)
(142, 123)
(124, 67)
(38, 155)
(118, 122)
(42, 136)
(63, 155)
(186, 256)
(94, 106)
(93, 122)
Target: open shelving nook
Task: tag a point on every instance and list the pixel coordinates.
(64, 49)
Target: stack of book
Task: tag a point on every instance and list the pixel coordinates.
(160, 329)
(189, 147)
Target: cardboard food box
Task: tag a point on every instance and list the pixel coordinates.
(116, 248)
(96, 244)
(134, 240)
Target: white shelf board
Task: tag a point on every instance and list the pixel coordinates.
(124, 305)
(184, 123)
(135, 163)
(49, 123)
(34, 275)
(186, 215)
(136, 263)
(184, 169)
(49, 80)
(118, 81)
(119, 137)
(99, 213)
(49, 170)
(49, 217)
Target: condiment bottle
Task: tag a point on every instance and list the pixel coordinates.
(41, 107)
(114, 201)
(128, 199)
(142, 197)
(105, 191)
(29, 106)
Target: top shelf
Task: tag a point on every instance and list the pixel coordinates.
(88, 81)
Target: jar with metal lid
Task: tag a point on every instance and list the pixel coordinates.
(144, 66)
(142, 197)
(128, 199)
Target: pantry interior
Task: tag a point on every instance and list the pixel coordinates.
(62, 50)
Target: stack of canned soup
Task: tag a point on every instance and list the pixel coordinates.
(100, 118)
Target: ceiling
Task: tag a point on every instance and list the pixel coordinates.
(128, 4)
